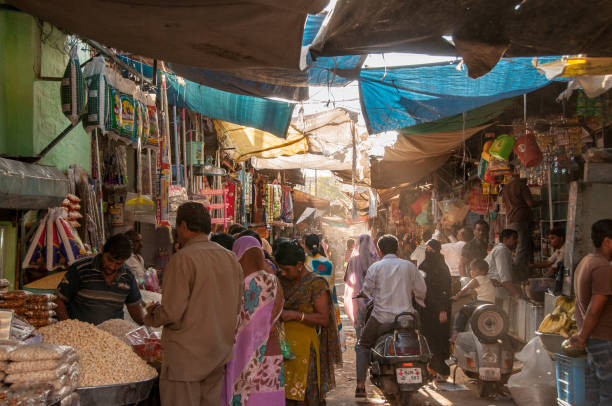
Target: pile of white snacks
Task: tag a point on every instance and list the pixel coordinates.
(118, 327)
(104, 358)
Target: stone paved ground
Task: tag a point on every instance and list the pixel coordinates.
(429, 395)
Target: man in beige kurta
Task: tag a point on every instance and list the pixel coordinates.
(202, 291)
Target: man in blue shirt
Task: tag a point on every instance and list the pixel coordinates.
(95, 289)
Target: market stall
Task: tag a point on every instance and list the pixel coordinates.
(46, 362)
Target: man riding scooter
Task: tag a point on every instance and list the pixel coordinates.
(390, 283)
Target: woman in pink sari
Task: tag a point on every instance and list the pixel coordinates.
(254, 376)
(364, 255)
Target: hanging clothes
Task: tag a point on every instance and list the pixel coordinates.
(276, 204)
(287, 213)
(230, 187)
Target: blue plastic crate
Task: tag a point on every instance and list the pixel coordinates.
(573, 385)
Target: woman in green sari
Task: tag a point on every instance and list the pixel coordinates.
(310, 327)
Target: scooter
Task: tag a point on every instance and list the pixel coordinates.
(484, 351)
(398, 361)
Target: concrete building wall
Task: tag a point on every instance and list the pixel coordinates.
(30, 109)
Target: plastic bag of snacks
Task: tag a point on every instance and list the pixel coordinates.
(47, 375)
(40, 306)
(127, 116)
(39, 352)
(153, 134)
(138, 121)
(17, 367)
(146, 343)
(115, 120)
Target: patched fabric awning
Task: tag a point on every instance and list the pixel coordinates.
(593, 75)
(420, 150)
(482, 30)
(242, 142)
(306, 161)
(327, 134)
(308, 200)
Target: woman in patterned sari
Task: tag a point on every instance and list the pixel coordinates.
(254, 376)
(310, 327)
(317, 262)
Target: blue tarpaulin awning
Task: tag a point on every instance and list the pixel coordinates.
(395, 98)
(264, 114)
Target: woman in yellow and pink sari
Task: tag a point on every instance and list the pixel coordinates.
(310, 327)
(254, 377)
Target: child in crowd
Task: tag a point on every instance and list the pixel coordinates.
(485, 293)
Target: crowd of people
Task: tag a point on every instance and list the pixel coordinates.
(246, 322)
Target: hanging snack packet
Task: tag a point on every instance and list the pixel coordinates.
(138, 121)
(146, 124)
(153, 134)
(115, 118)
(127, 116)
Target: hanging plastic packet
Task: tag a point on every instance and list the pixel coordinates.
(127, 116)
(146, 124)
(138, 122)
(153, 133)
(115, 118)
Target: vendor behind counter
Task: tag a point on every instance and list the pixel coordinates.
(95, 289)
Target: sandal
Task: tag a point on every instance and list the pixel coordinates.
(360, 393)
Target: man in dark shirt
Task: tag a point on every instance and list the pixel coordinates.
(593, 311)
(95, 289)
(476, 248)
(518, 202)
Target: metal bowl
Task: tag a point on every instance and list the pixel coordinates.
(116, 395)
(552, 342)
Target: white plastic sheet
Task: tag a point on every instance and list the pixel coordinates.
(535, 385)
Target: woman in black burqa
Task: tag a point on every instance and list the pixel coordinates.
(436, 314)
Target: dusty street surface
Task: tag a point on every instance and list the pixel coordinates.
(429, 395)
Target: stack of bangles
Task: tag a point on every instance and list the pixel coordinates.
(303, 315)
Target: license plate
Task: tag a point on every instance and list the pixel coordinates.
(489, 374)
(409, 375)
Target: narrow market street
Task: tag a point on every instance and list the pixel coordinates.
(193, 195)
(429, 395)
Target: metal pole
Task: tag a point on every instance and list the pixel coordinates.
(354, 211)
(99, 183)
(176, 145)
(150, 172)
(184, 147)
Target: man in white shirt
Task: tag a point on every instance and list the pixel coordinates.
(556, 239)
(390, 283)
(452, 256)
(500, 261)
(136, 263)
